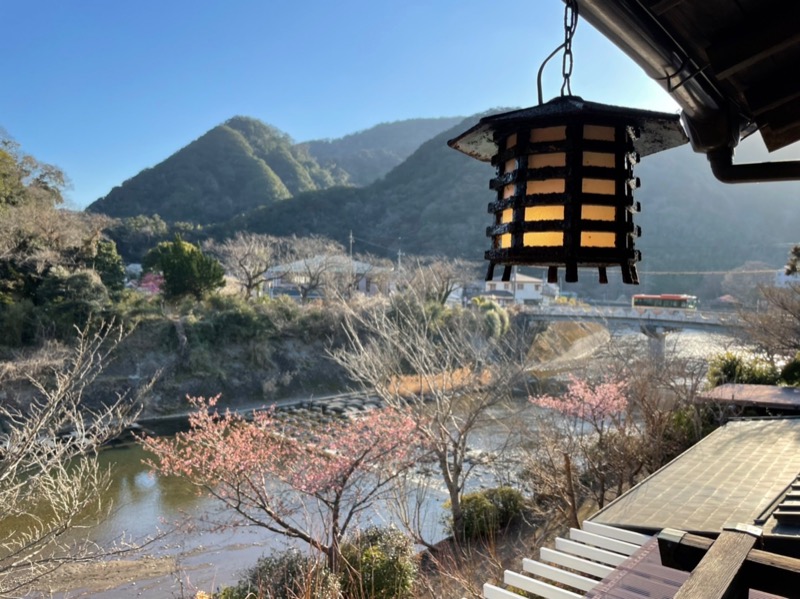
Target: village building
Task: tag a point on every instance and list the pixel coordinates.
(520, 290)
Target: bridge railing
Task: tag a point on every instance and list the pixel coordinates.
(639, 314)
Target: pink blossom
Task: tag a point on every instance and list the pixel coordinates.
(265, 469)
(587, 401)
(151, 283)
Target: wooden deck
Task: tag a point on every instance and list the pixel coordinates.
(574, 567)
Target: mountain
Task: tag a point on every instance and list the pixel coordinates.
(368, 155)
(432, 203)
(244, 164)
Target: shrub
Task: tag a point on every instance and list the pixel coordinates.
(509, 503)
(790, 374)
(733, 368)
(379, 564)
(15, 322)
(287, 575)
(484, 512)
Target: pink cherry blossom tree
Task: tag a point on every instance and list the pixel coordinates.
(304, 484)
(585, 440)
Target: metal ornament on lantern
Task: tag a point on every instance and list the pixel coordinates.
(565, 179)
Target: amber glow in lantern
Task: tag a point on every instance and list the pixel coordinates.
(565, 183)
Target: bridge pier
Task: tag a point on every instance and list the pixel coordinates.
(657, 340)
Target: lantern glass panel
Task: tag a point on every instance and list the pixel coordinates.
(510, 166)
(601, 186)
(549, 134)
(599, 159)
(511, 141)
(591, 212)
(543, 239)
(533, 213)
(599, 133)
(506, 216)
(504, 241)
(509, 191)
(598, 239)
(542, 160)
(546, 186)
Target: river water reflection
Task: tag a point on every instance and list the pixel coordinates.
(144, 503)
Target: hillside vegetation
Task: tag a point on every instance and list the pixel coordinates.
(244, 164)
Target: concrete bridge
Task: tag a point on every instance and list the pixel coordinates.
(655, 323)
(668, 318)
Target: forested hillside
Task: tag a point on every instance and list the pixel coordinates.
(368, 155)
(244, 164)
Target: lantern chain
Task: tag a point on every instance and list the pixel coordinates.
(570, 25)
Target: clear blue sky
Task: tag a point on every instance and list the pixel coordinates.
(104, 89)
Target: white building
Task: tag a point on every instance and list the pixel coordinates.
(520, 290)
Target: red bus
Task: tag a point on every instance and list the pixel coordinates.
(665, 300)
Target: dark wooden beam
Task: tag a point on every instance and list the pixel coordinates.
(765, 96)
(761, 570)
(752, 42)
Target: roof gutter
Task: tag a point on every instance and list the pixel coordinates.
(713, 125)
(632, 28)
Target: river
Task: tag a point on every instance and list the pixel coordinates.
(145, 503)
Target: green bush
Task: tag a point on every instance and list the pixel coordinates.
(67, 300)
(733, 368)
(15, 323)
(485, 512)
(287, 575)
(379, 564)
(509, 502)
(790, 374)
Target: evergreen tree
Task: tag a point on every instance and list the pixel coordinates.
(108, 264)
(186, 270)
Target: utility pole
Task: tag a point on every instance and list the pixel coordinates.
(351, 245)
(399, 256)
(352, 265)
(514, 283)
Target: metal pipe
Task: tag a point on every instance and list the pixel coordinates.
(761, 172)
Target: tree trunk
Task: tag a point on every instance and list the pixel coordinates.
(571, 497)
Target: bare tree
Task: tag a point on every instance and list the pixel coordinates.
(442, 366)
(435, 279)
(776, 328)
(248, 257)
(46, 493)
(316, 260)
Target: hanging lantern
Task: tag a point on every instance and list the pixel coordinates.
(565, 183)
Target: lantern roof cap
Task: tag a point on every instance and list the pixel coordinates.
(657, 130)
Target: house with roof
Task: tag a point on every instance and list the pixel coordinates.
(520, 290)
(720, 520)
(769, 400)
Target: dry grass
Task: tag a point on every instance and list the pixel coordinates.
(411, 385)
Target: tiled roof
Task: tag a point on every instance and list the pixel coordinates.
(731, 476)
(765, 396)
